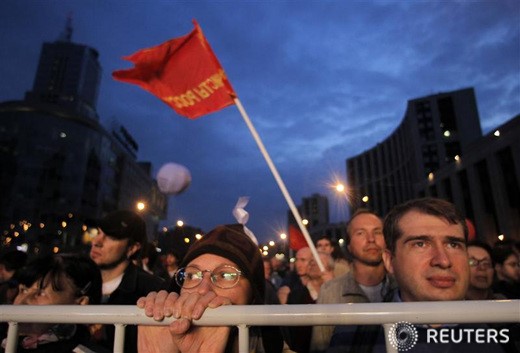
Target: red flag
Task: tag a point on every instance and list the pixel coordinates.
(296, 238)
(472, 234)
(184, 73)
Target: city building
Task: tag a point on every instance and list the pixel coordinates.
(314, 211)
(438, 150)
(59, 167)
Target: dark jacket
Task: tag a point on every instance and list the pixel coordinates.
(136, 283)
(299, 337)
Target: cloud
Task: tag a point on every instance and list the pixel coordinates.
(321, 81)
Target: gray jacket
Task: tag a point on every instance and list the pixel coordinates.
(343, 289)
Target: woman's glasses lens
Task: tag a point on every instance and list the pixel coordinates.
(223, 276)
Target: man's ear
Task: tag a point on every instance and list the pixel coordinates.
(387, 260)
(132, 249)
(83, 300)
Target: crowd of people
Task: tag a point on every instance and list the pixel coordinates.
(418, 252)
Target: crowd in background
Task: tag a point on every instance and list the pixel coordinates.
(419, 252)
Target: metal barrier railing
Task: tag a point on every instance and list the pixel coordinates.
(448, 312)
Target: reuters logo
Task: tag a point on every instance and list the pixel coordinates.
(402, 336)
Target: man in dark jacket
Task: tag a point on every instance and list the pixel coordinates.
(121, 236)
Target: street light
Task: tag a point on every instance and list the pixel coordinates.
(343, 196)
(140, 205)
(283, 237)
(342, 189)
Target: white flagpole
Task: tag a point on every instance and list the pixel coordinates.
(280, 183)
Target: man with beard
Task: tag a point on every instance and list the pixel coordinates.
(121, 236)
(366, 282)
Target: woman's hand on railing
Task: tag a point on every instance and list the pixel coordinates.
(184, 336)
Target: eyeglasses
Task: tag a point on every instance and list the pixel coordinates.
(224, 276)
(484, 263)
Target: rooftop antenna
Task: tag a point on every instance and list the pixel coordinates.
(66, 35)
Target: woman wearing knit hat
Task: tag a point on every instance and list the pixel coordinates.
(222, 268)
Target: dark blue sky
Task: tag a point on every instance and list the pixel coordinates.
(321, 81)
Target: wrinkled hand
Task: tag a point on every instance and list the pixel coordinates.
(185, 308)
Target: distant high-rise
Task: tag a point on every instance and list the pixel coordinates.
(438, 150)
(434, 130)
(58, 166)
(68, 75)
(315, 210)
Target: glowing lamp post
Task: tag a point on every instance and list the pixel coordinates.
(140, 206)
(341, 189)
(283, 237)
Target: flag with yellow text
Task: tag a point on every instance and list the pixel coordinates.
(184, 73)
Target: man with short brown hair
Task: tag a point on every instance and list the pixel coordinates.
(426, 252)
(366, 282)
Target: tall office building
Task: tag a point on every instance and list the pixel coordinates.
(58, 166)
(440, 134)
(315, 210)
(68, 76)
(484, 183)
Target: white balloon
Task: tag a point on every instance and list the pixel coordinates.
(173, 178)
